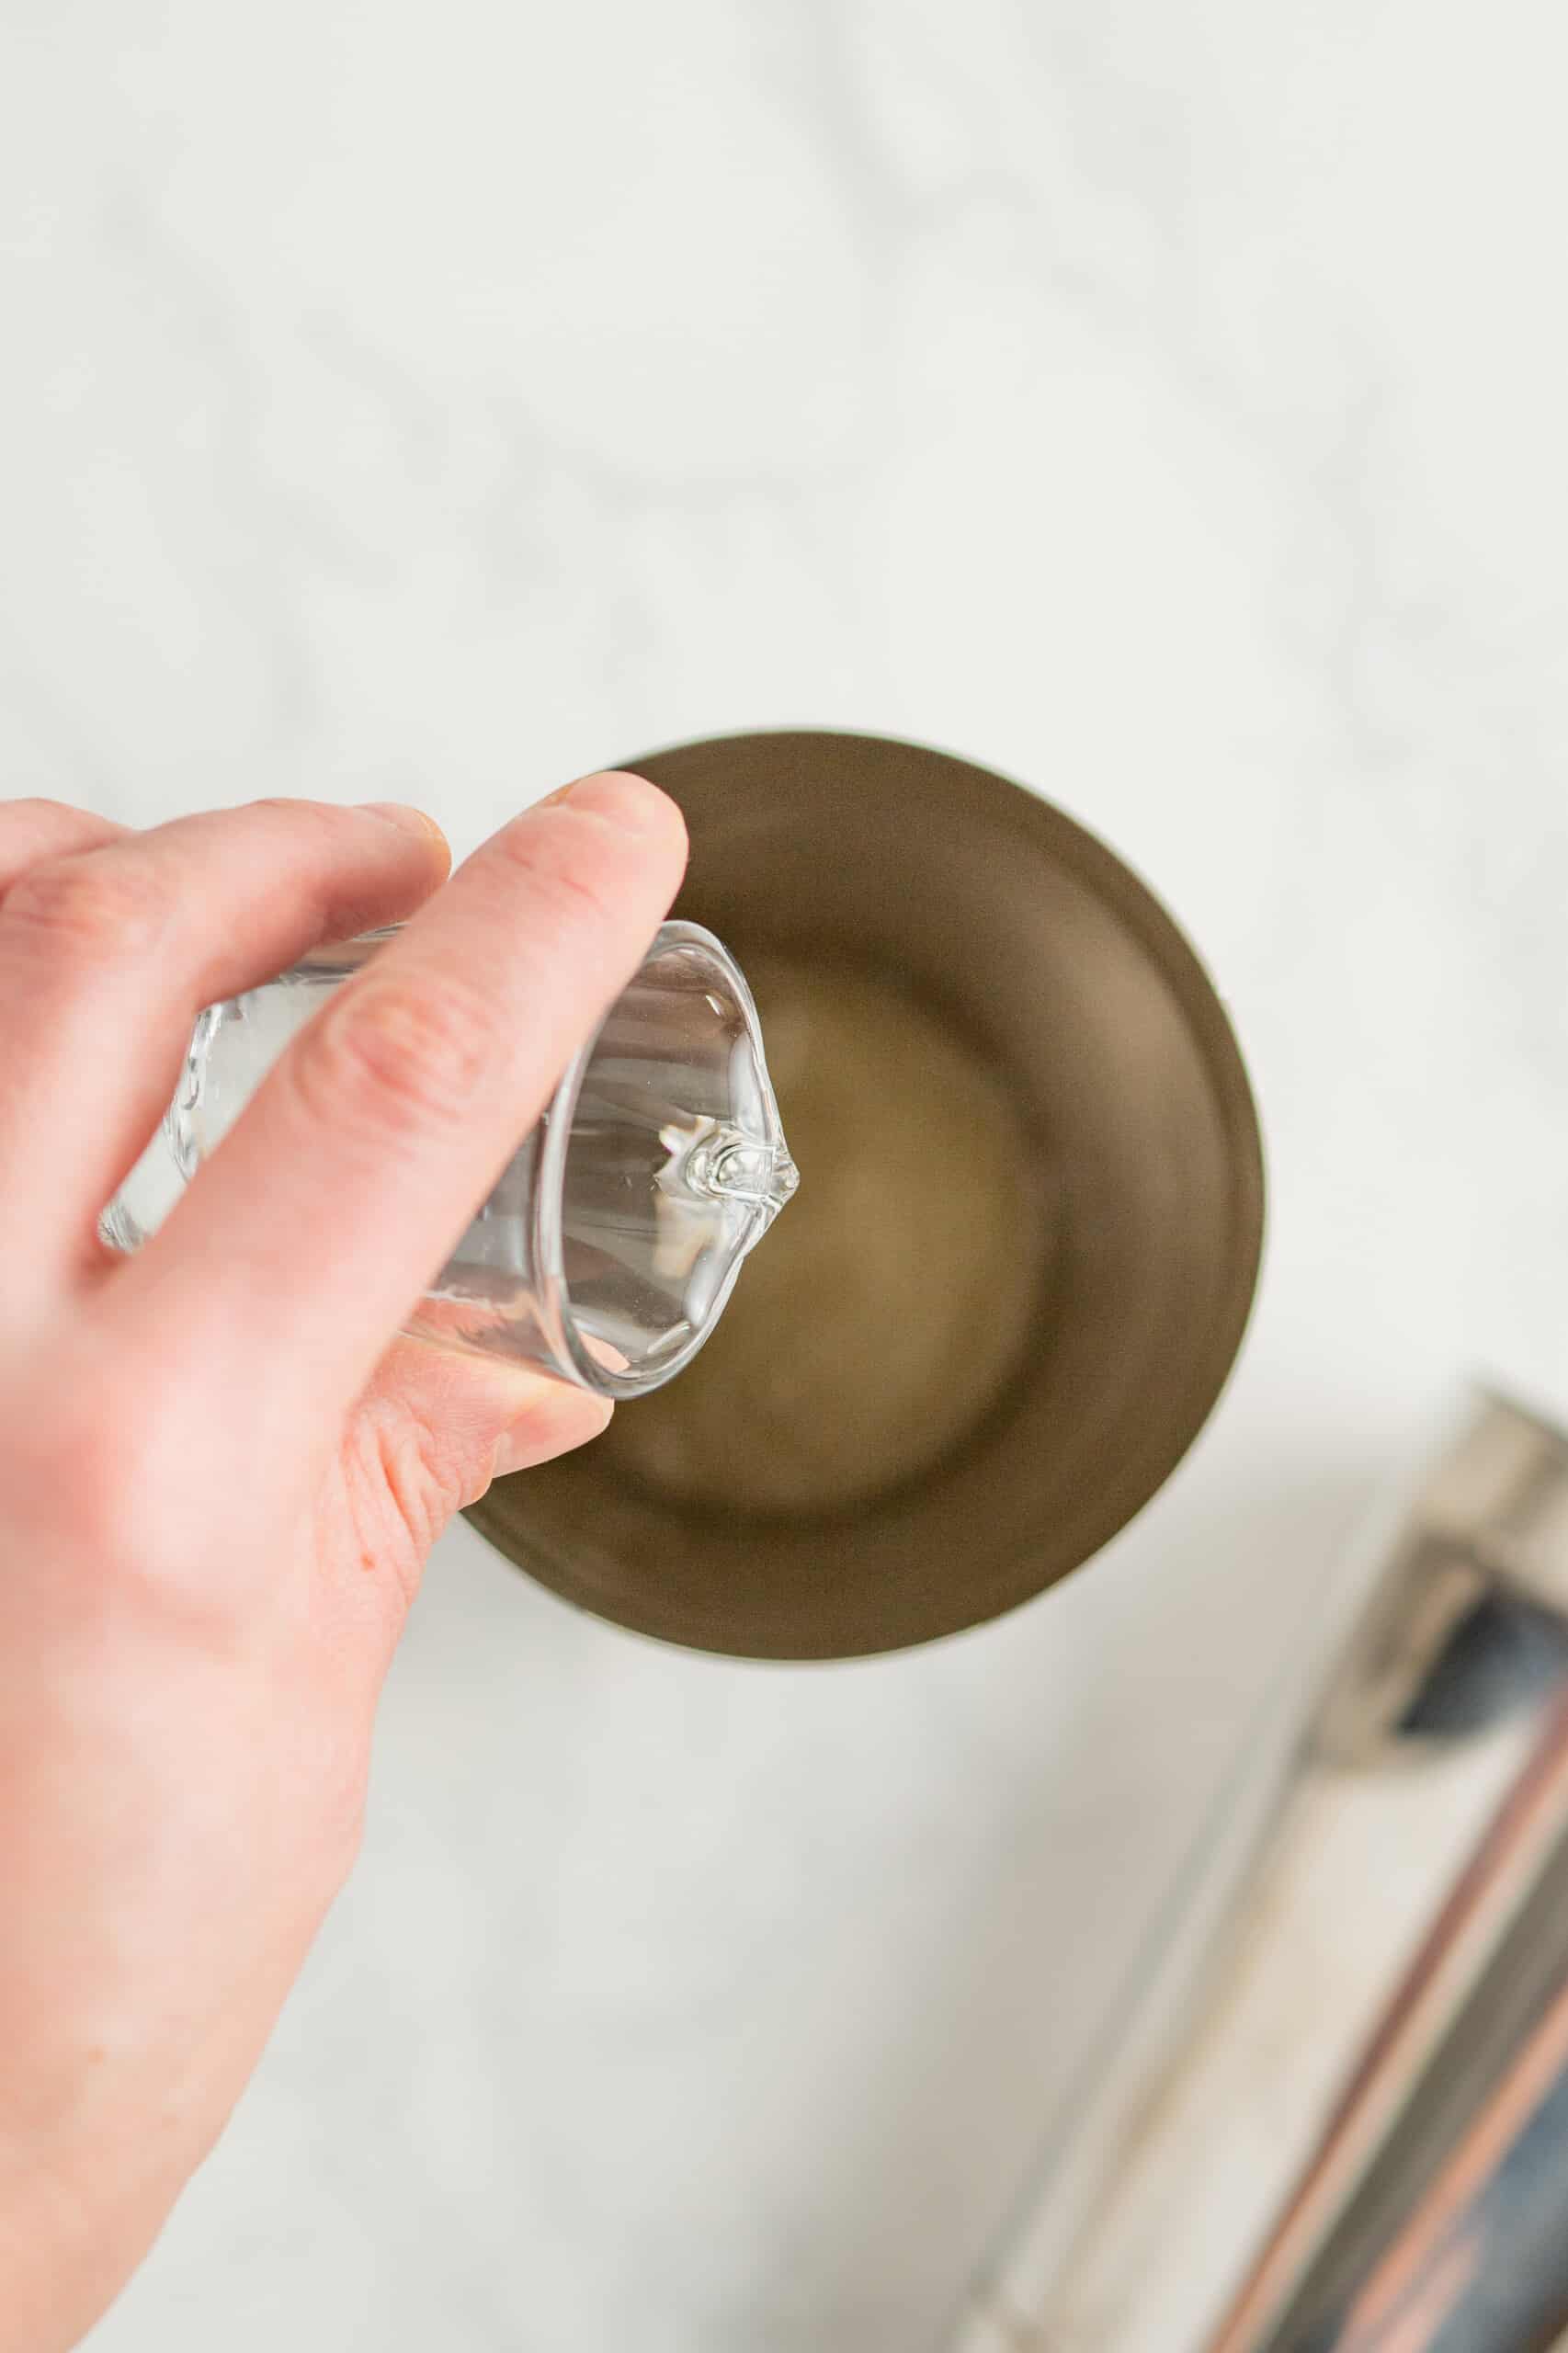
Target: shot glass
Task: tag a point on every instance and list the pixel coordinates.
(605, 1250)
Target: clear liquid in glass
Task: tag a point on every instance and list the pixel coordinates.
(606, 1248)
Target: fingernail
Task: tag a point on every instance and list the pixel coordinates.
(623, 801)
(541, 1434)
(509, 1456)
(407, 819)
(519, 1451)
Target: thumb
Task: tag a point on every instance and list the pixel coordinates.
(456, 1421)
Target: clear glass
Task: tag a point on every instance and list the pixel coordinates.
(605, 1250)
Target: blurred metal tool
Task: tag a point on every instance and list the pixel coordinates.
(1333, 2116)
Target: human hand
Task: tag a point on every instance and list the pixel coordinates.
(217, 1480)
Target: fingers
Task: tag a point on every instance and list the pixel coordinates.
(32, 829)
(348, 1180)
(424, 1440)
(475, 1420)
(111, 947)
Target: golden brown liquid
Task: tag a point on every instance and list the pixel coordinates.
(890, 1303)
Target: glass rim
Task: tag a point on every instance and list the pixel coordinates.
(554, 1305)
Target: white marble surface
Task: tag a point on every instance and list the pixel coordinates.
(1163, 402)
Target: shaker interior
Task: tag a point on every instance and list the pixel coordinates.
(920, 1240)
(825, 850)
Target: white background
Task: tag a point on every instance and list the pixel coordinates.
(1162, 402)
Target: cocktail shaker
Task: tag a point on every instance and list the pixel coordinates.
(1026, 1239)
(1331, 2115)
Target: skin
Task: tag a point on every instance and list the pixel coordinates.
(185, 1725)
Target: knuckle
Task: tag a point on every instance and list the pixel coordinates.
(302, 819)
(115, 1499)
(565, 873)
(398, 1056)
(40, 808)
(102, 1494)
(106, 907)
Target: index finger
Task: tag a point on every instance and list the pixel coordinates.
(347, 1182)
